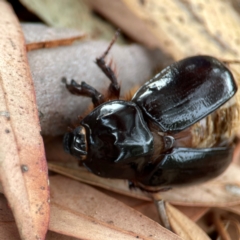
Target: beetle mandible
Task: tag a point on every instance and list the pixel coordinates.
(156, 140)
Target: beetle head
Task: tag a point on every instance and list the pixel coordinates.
(75, 143)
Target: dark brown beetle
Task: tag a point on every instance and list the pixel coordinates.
(149, 140)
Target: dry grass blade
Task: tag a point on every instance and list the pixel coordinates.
(80, 211)
(23, 169)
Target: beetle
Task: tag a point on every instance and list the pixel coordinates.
(156, 139)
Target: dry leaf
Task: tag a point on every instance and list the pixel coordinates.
(82, 175)
(130, 23)
(235, 209)
(181, 28)
(8, 228)
(56, 236)
(23, 169)
(194, 213)
(221, 191)
(80, 211)
(40, 36)
(70, 14)
(183, 226)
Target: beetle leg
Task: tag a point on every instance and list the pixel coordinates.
(114, 87)
(86, 90)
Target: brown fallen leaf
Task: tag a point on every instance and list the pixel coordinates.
(193, 213)
(23, 169)
(71, 14)
(235, 209)
(131, 24)
(56, 236)
(8, 228)
(181, 28)
(80, 211)
(149, 209)
(40, 36)
(218, 192)
(183, 226)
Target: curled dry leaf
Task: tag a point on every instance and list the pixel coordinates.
(80, 211)
(183, 226)
(23, 169)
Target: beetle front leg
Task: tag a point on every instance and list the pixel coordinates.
(114, 87)
(86, 90)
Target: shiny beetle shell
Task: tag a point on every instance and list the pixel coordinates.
(151, 140)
